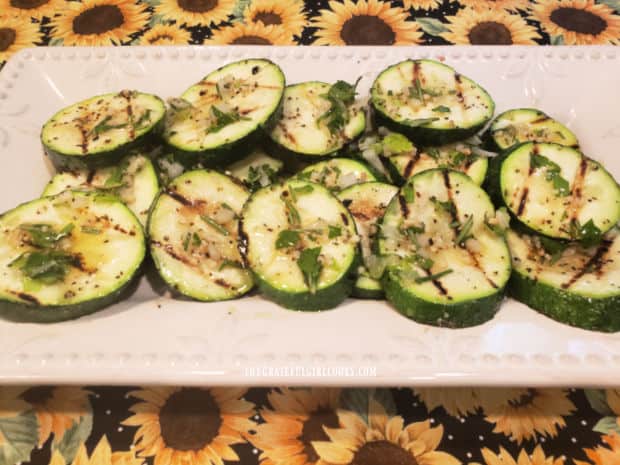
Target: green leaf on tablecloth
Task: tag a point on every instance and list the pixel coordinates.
(557, 40)
(152, 2)
(56, 41)
(20, 436)
(432, 26)
(73, 437)
(239, 9)
(607, 425)
(613, 4)
(598, 401)
(357, 400)
(155, 20)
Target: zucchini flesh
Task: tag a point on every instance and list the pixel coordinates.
(133, 180)
(430, 102)
(300, 129)
(556, 190)
(304, 218)
(101, 129)
(528, 125)
(256, 170)
(367, 203)
(337, 173)
(576, 285)
(94, 251)
(448, 267)
(213, 116)
(193, 236)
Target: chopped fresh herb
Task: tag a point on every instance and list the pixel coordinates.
(196, 241)
(457, 158)
(186, 240)
(310, 266)
(553, 173)
(588, 234)
(560, 135)
(90, 230)
(44, 236)
(417, 91)
(509, 132)
(341, 95)
(291, 211)
(414, 123)
(260, 176)
(395, 143)
(433, 277)
(116, 176)
(334, 231)
(287, 238)
(103, 126)
(539, 132)
(46, 266)
(305, 175)
(179, 104)
(442, 109)
(215, 225)
(408, 192)
(433, 152)
(465, 231)
(423, 262)
(447, 206)
(553, 247)
(307, 189)
(229, 264)
(413, 230)
(143, 121)
(223, 119)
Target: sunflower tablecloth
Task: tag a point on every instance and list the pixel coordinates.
(279, 426)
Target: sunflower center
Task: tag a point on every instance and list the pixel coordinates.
(490, 33)
(525, 400)
(99, 19)
(577, 20)
(367, 30)
(197, 6)
(189, 420)
(7, 37)
(28, 4)
(267, 18)
(37, 395)
(313, 431)
(380, 452)
(250, 40)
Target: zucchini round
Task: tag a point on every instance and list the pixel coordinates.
(367, 203)
(557, 191)
(218, 119)
(304, 252)
(193, 236)
(576, 285)
(65, 256)
(520, 125)
(449, 267)
(337, 173)
(100, 130)
(133, 180)
(303, 129)
(430, 102)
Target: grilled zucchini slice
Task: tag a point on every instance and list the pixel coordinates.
(449, 267)
(304, 251)
(573, 284)
(100, 130)
(193, 236)
(337, 173)
(65, 256)
(430, 102)
(218, 119)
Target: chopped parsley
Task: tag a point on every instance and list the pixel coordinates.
(334, 231)
(442, 109)
(223, 119)
(287, 238)
(104, 126)
(44, 235)
(395, 143)
(588, 234)
(340, 95)
(310, 267)
(229, 264)
(553, 173)
(408, 193)
(46, 266)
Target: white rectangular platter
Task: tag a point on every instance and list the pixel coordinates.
(153, 339)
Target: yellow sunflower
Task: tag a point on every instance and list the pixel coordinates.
(579, 22)
(511, 5)
(422, 4)
(288, 15)
(26, 9)
(465, 401)
(504, 458)
(539, 411)
(297, 419)
(250, 34)
(385, 440)
(99, 22)
(613, 400)
(190, 426)
(102, 455)
(489, 27)
(165, 34)
(57, 409)
(603, 455)
(367, 22)
(16, 34)
(196, 12)
(11, 404)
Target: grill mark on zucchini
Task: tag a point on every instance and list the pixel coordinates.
(287, 134)
(27, 297)
(84, 134)
(345, 220)
(410, 166)
(593, 265)
(459, 91)
(576, 191)
(179, 198)
(542, 119)
(404, 208)
(523, 201)
(132, 130)
(222, 283)
(526, 190)
(90, 177)
(256, 85)
(170, 251)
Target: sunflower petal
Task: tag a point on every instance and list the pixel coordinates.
(332, 453)
(437, 458)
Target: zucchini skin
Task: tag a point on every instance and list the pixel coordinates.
(366, 293)
(287, 155)
(458, 315)
(565, 307)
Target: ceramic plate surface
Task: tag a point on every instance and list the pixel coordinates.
(153, 339)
